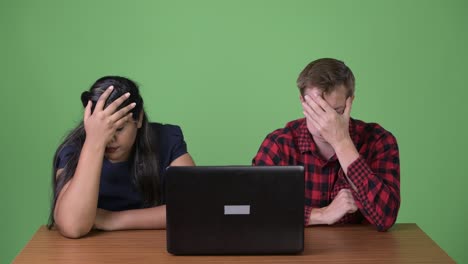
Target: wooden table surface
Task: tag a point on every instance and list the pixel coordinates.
(404, 243)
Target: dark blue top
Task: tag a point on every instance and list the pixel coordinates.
(116, 190)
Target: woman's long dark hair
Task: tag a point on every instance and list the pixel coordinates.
(144, 159)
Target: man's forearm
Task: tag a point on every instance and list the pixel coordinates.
(316, 217)
(378, 194)
(346, 153)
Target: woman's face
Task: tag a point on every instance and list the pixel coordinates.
(121, 145)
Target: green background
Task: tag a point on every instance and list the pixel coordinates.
(225, 72)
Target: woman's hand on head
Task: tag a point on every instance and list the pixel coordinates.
(100, 126)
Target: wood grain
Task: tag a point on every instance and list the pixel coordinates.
(404, 243)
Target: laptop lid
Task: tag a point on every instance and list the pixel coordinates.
(235, 210)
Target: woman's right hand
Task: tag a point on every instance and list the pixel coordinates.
(100, 126)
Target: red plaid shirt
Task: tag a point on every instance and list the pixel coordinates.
(376, 173)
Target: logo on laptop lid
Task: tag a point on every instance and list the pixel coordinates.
(237, 210)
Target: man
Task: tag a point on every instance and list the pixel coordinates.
(352, 170)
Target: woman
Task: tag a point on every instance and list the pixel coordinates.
(108, 172)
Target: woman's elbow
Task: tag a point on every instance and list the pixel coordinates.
(73, 230)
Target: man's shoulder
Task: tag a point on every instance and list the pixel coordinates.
(288, 132)
(370, 130)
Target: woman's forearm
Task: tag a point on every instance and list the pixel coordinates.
(148, 218)
(76, 205)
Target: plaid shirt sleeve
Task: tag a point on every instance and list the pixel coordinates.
(269, 154)
(377, 180)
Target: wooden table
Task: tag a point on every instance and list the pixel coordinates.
(404, 243)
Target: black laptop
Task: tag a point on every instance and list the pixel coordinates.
(235, 210)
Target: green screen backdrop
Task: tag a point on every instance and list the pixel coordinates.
(225, 72)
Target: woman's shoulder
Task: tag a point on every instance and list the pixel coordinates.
(166, 130)
(64, 153)
(66, 150)
(171, 141)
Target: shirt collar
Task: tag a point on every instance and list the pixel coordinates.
(305, 141)
(304, 138)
